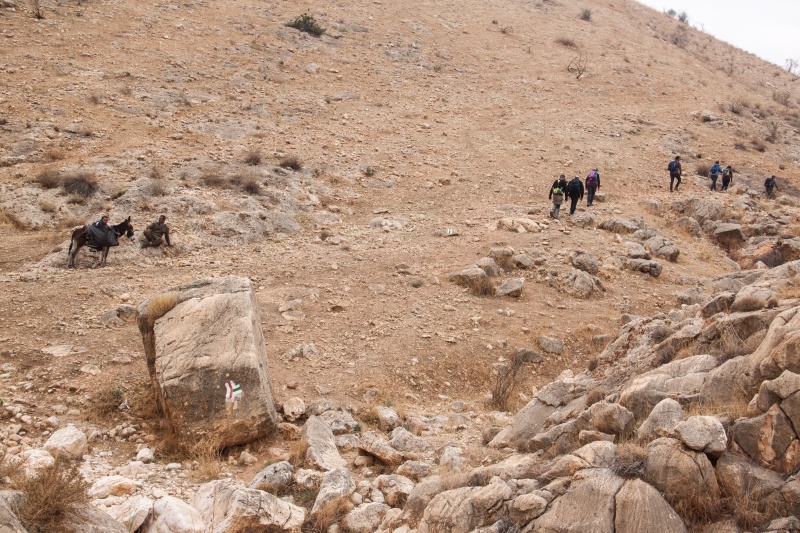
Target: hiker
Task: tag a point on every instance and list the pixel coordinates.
(560, 183)
(770, 185)
(714, 175)
(592, 184)
(727, 177)
(102, 223)
(156, 233)
(574, 193)
(674, 168)
(557, 194)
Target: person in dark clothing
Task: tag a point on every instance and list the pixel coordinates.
(592, 184)
(727, 177)
(560, 184)
(575, 193)
(770, 185)
(675, 172)
(102, 223)
(714, 175)
(156, 233)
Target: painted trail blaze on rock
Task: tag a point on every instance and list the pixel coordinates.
(207, 360)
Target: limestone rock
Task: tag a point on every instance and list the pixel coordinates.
(677, 472)
(336, 484)
(729, 235)
(227, 505)
(612, 418)
(464, 509)
(415, 470)
(33, 461)
(175, 516)
(582, 284)
(340, 422)
(720, 303)
(585, 261)
(526, 507)
(322, 452)
(293, 408)
(405, 441)
(365, 518)
(489, 266)
(550, 344)
(69, 442)
(511, 287)
(662, 420)
(663, 247)
(640, 508)
(90, 519)
(752, 298)
(769, 439)
(467, 276)
(589, 505)
(274, 477)
(379, 448)
(205, 350)
(647, 266)
(395, 488)
(112, 486)
(634, 250)
(133, 512)
(618, 225)
(703, 433)
(387, 418)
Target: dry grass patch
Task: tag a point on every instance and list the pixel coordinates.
(70, 221)
(297, 453)
(702, 169)
(158, 187)
(105, 405)
(481, 286)
(48, 207)
(7, 219)
(207, 458)
(54, 154)
(566, 41)
(252, 157)
(331, 513)
(212, 178)
(82, 184)
(507, 378)
(291, 162)
(630, 461)
(53, 498)
(48, 178)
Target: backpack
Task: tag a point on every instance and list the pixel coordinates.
(726, 173)
(671, 166)
(715, 170)
(574, 187)
(591, 179)
(557, 190)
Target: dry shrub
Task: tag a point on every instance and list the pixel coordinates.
(297, 453)
(80, 183)
(251, 186)
(698, 507)
(7, 219)
(481, 286)
(291, 162)
(507, 378)
(48, 207)
(106, 404)
(161, 304)
(736, 408)
(76, 199)
(207, 458)
(702, 169)
(54, 154)
(48, 178)
(593, 363)
(758, 146)
(566, 41)
(158, 187)
(212, 178)
(630, 460)
(253, 157)
(143, 404)
(597, 394)
(71, 221)
(331, 513)
(53, 498)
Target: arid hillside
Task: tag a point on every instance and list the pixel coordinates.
(350, 175)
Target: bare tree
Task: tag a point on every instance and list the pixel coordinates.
(793, 68)
(579, 64)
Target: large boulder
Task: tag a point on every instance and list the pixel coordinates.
(207, 360)
(662, 420)
(227, 506)
(704, 434)
(174, 516)
(618, 225)
(336, 485)
(589, 505)
(641, 509)
(465, 509)
(132, 512)
(365, 518)
(90, 519)
(651, 267)
(321, 451)
(273, 478)
(769, 439)
(663, 247)
(729, 235)
(679, 473)
(68, 442)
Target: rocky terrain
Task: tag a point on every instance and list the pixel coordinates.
(360, 228)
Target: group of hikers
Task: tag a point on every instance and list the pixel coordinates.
(573, 191)
(155, 235)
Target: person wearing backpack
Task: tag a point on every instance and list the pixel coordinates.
(557, 194)
(592, 184)
(561, 184)
(574, 193)
(770, 185)
(714, 175)
(727, 177)
(674, 168)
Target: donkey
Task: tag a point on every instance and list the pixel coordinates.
(80, 240)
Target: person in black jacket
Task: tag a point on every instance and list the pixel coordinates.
(592, 184)
(574, 192)
(560, 183)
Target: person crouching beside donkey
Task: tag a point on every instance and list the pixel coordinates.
(156, 234)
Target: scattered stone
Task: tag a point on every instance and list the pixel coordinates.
(69, 442)
(321, 452)
(511, 287)
(293, 409)
(336, 484)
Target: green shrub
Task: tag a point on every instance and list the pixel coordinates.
(586, 15)
(307, 23)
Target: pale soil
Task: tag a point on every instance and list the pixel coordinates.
(464, 121)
